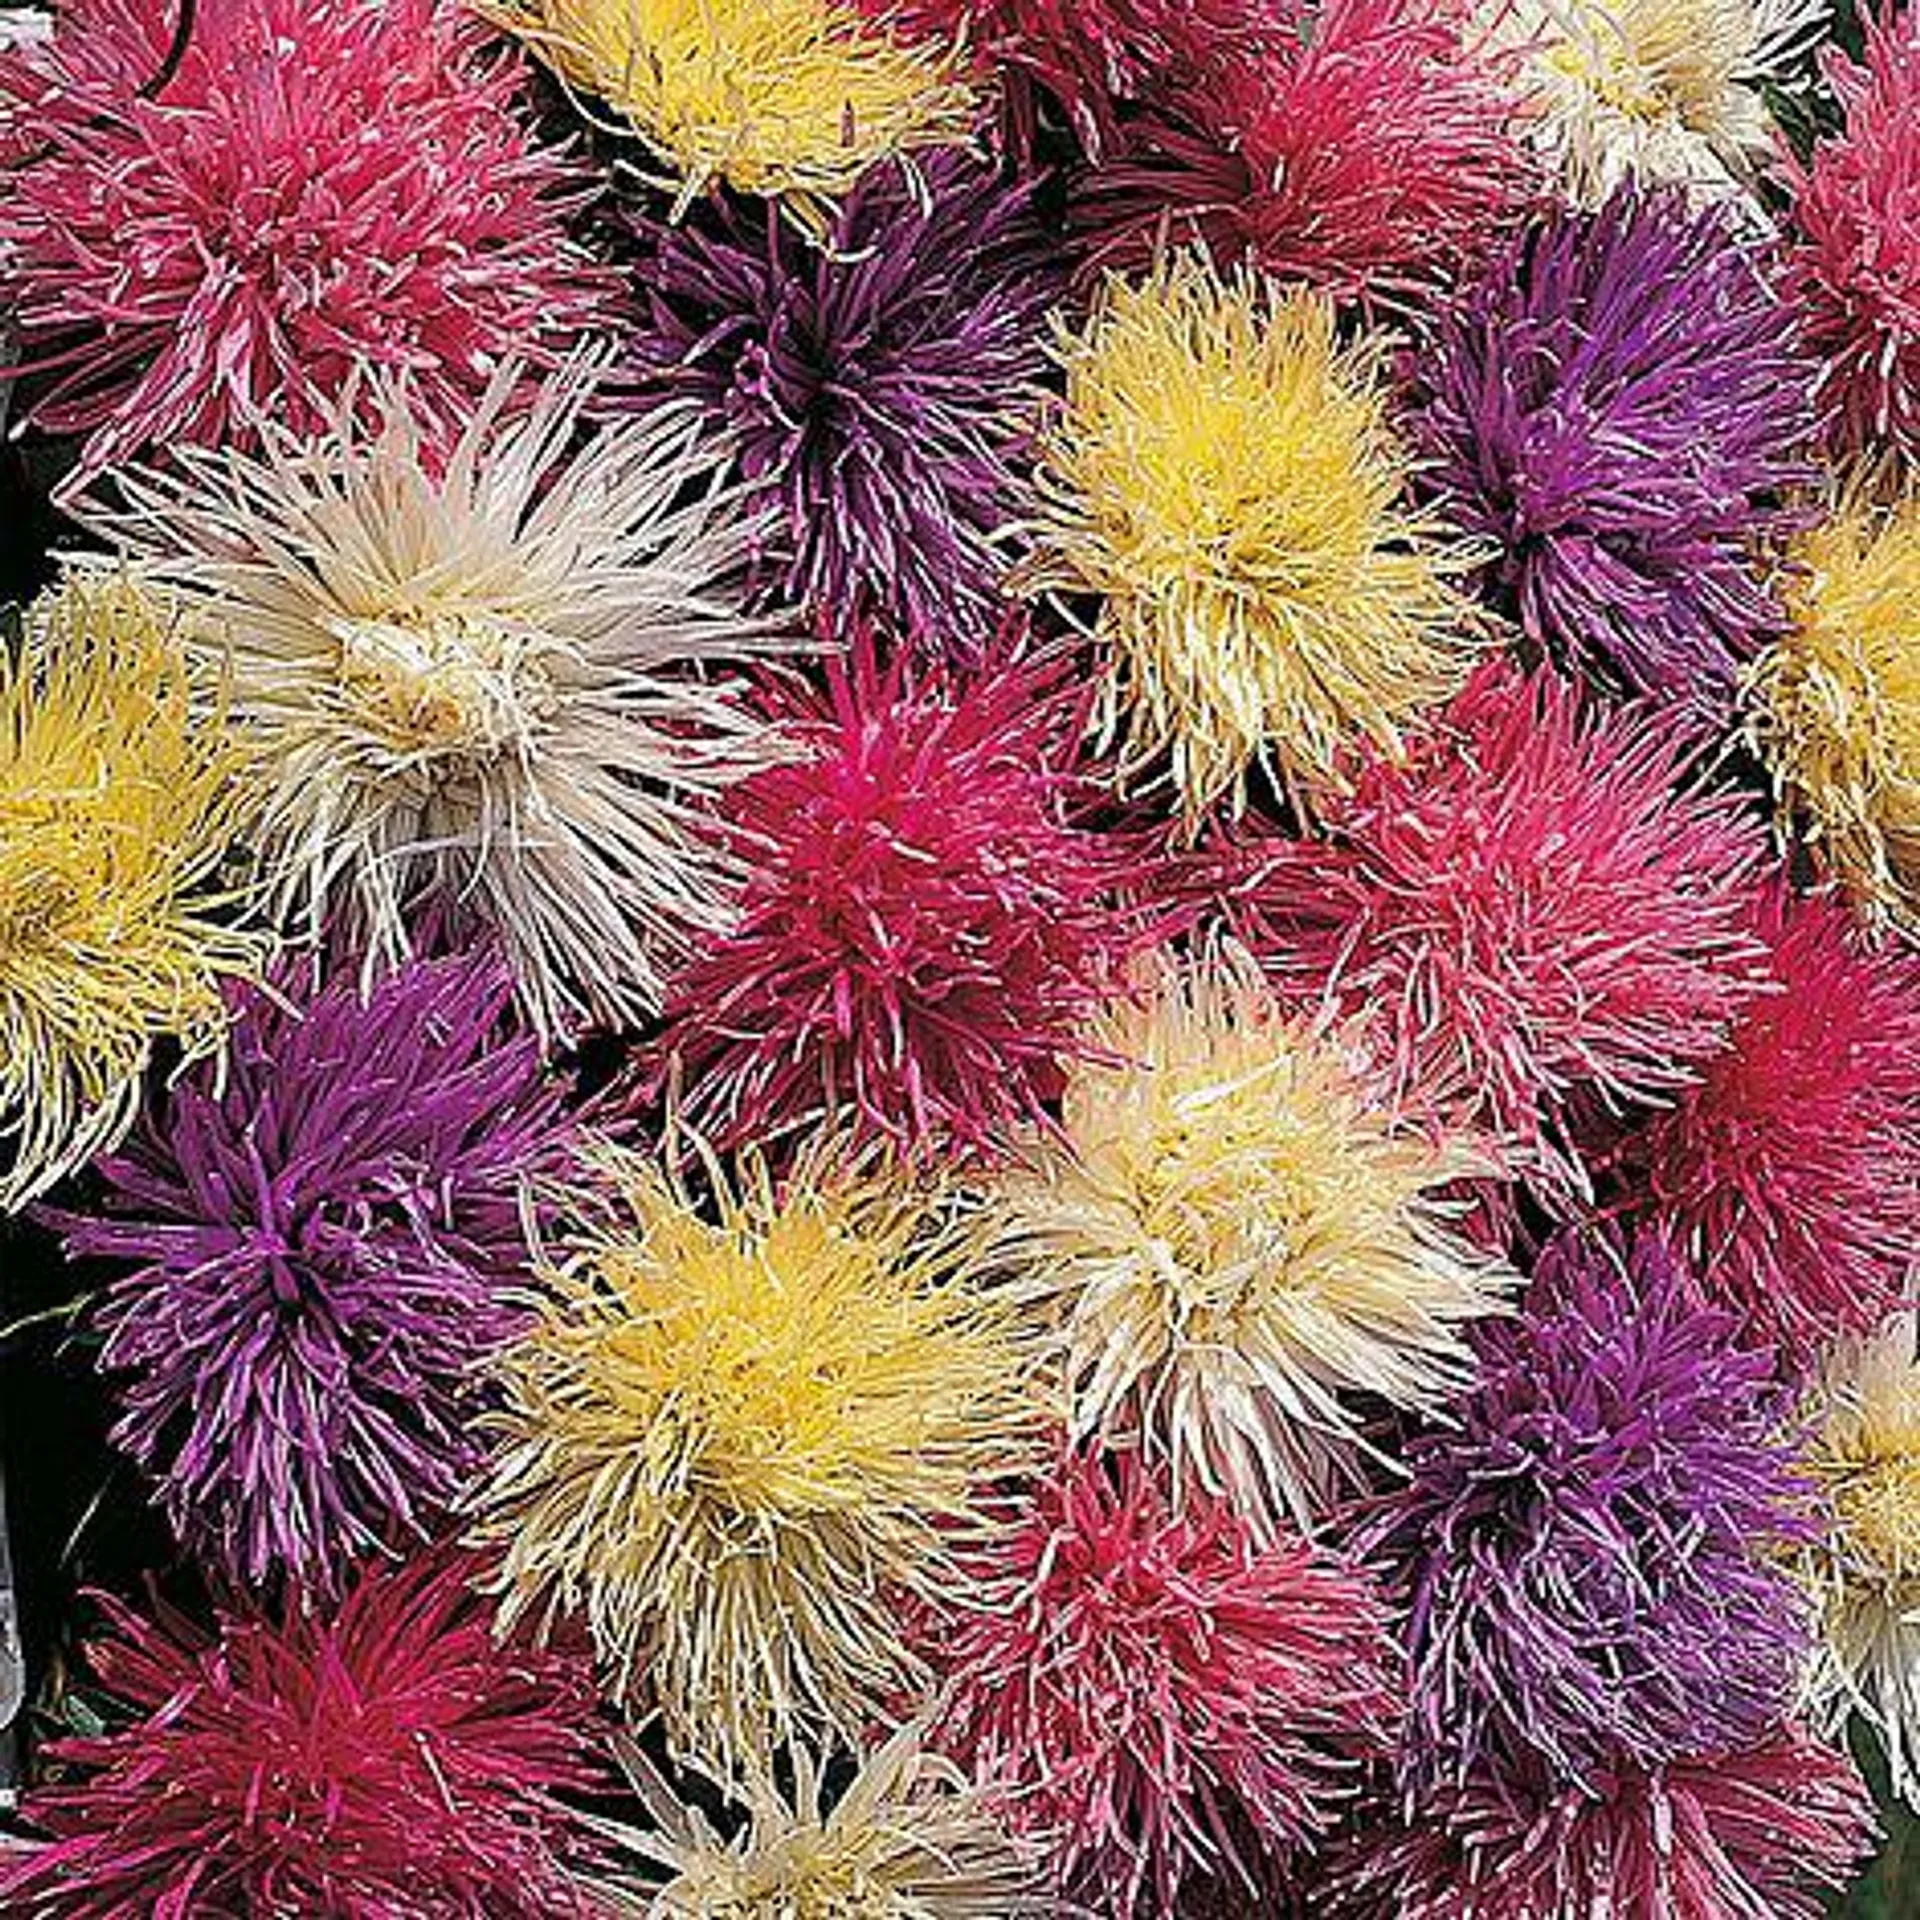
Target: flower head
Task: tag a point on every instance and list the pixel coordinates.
(391, 1756)
(1654, 90)
(732, 1442)
(1157, 1695)
(1835, 702)
(1590, 1552)
(320, 187)
(788, 98)
(924, 930)
(501, 677)
(909, 1834)
(1854, 272)
(1363, 146)
(880, 390)
(1536, 910)
(1760, 1833)
(326, 1235)
(1238, 1240)
(1790, 1172)
(117, 803)
(1866, 1571)
(1616, 405)
(1222, 475)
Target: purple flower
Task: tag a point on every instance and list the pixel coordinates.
(1586, 1552)
(326, 1239)
(879, 386)
(1616, 405)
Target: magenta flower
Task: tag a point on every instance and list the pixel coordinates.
(325, 1234)
(925, 928)
(392, 1759)
(1790, 1174)
(1154, 1695)
(322, 186)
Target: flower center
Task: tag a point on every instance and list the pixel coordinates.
(36, 909)
(1878, 1504)
(444, 683)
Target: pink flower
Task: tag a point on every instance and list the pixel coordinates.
(1789, 1174)
(1359, 152)
(924, 931)
(1855, 271)
(1158, 1698)
(321, 186)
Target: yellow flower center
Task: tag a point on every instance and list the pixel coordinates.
(37, 910)
(1878, 1504)
(1660, 60)
(445, 683)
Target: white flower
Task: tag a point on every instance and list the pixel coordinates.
(1655, 90)
(498, 679)
(1868, 1573)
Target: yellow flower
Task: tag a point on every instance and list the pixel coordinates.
(780, 97)
(1222, 474)
(1836, 701)
(1236, 1238)
(1867, 1573)
(117, 804)
(730, 1440)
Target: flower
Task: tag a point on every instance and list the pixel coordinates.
(1763, 1831)
(1096, 56)
(1537, 911)
(1835, 701)
(1866, 1571)
(325, 1234)
(501, 678)
(1616, 407)
(1155, 1694)
(320, 187)
(1222, 475)
(924, 930)
(389, 1756)
(789, 98)
(1234, 1238)
(880, 390)
(1654, 90)
(1363, 146)
(1790, 1173)
(117, 803)
(1855, 265)
(732, 1442)
(910, 1834)
(1589, 1552)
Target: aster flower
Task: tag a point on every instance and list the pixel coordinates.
(909, 1834)
(320, 187)
(1855, 266)
(1364, 146)
(1615, 405)
(1237, 1239)
(501, 678)
(1589, 1554)
(326, 1233)
(924, 931)
(393, 1756)
(1757, 1834)
(1835, 702)
(730, 1442)
(1790, 1173)
(1222, 475)
(788, 98)
(1866, 1571)
(116, 809)
(1654, 90)
(1158, 1696)
(1097, 56)
(880, 389)
(1537, 911)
